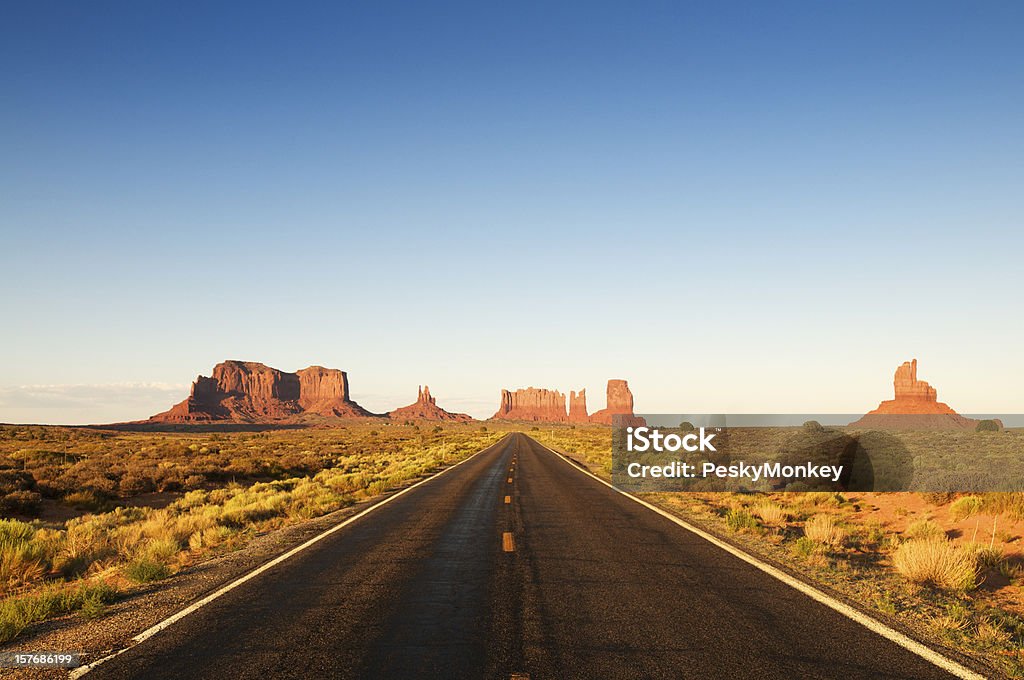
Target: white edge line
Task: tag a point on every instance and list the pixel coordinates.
(872, 624)
(171, 620)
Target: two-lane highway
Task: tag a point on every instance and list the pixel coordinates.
(514, 562)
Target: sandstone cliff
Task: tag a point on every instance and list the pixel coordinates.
(251, 392)
(532, 404)
(426, 408)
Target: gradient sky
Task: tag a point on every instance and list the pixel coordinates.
(739, 207)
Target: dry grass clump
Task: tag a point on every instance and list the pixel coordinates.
(937, 562)
(772, 514)
(823, 529)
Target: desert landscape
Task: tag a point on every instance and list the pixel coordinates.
(94, 517)
(511, 341)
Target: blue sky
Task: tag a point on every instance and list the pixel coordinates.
(738, 207)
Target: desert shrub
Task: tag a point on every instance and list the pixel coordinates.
(686, 426)
(159, 550)
(193, 481)
(20, 503)
(813, 426)
(965, 507)
(25, 553)
(816, 498)
(985, 557)
(87, 500)
(986, 426)
(923, 529)
(1004, 503)
(132, 484)
(938, 497)
(805, 547)
(209, 538)
(145, 570)
(192, 499)
(93, 606)
(771, 514)
(738, 519)
(937, 562)
(13, 532)
(823, 529)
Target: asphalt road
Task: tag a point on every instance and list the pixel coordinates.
(588, 585)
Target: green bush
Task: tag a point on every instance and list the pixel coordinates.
(987, 426)
(805, 547)
(741, 520)
(145, 570)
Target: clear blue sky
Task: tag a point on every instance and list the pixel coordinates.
(750, 207)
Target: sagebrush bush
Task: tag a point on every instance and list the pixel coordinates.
(965, 507)
(924, 528)
(144, 570)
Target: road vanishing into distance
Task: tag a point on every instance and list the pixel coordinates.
(514, 564)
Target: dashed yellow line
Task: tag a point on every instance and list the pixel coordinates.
(508, 500)
(508, 544)
(509, 480)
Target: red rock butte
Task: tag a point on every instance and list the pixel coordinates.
(619, 402)
(916, 406)
(426, 408)
(532, 403)
(251, 392)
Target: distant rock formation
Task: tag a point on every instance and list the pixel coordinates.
(578, 407)
(549, 406)
(916, 407)
(251, 392)
(619, 403)
(426, 408)
(532, 404)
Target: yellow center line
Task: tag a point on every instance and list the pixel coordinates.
(508, 500)
(509, 480)
(508, 544)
